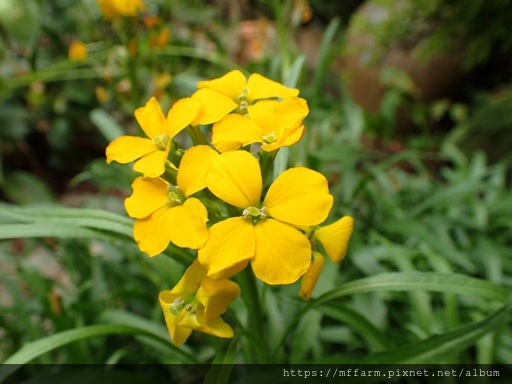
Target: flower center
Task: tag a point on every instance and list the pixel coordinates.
(161, 141)
(189, 304)
(254, 214)
(270, 138)
(175, 197)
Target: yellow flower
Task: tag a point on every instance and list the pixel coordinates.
(266, 233)
(77, 51)
(112, 9)
(233, 91)
(196, 303)
(272, 123)
(152, 152)
(310, 278)
(335, 237)
(166, 213)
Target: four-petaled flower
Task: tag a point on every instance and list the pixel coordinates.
(196, 303)
(166, 213)
(266, 233)
(152, 152)
(234, 92)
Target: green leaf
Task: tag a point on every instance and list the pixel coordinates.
(147, 327)
(324, 56)
(436, 347)
(25, 188)
(369, 332)
(34, 349)
(107, 125)
(220, 371)
(293, 75)
(417, 281)
(21, 19)
(19, 231)
(409, 281)
(62, 222)
(308, 329)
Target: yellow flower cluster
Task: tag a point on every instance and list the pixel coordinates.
(214, 196)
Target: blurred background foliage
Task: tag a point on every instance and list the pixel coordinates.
(411, 117)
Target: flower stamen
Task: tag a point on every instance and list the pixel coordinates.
(175, 197)
(161, 141)
(242, 101)
(254, 214)
(270, 138)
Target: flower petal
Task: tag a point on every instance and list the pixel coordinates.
(128, 148)
(177, 334)
(218, 328)
(262, 88)
(151, 119)
(231, 84)
(216, 295)
(283, 253)
(186, 224)
(152, 233)
(190, 280)
(230, 245)
(194, 164)
(335, 237)
(234, 131)
(280, 119)
(152, 164)
(215, 106)
(299, 196)
(285, 138)
(287, 122)
(235, 178)
(182, 114)
(310, 278)
(148, 195)
(262, 112)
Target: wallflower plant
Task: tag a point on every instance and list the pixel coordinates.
(216, 198)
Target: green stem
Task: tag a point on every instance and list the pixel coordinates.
(252, 300)
(196, 135)
(266, 164)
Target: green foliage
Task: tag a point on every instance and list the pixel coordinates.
(427, 277)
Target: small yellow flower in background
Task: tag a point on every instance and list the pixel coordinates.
(152, 151)
(310, 278)
(272, 123)
(166, 213)
(77, 51)
(234, 92)
(266, 233)
(196, 303)
(113, 9)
